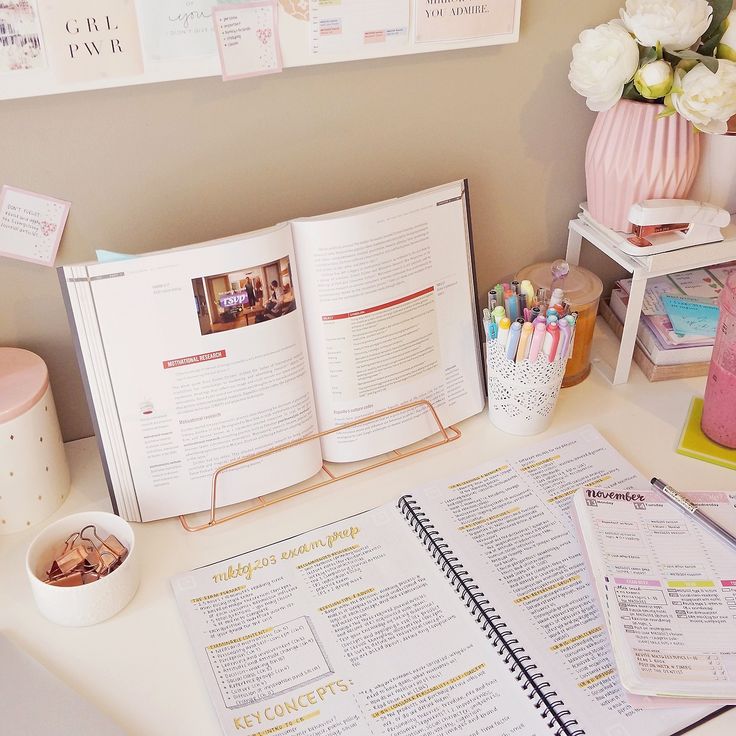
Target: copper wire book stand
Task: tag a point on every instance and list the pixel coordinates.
(447, 434)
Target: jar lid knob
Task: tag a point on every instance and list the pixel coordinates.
(560, 269)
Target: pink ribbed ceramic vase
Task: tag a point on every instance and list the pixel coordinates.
(634, 155)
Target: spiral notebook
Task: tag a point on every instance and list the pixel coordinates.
(462, 608)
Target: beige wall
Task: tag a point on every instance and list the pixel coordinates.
(155, 166)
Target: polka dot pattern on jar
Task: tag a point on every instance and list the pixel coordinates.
(34, 477)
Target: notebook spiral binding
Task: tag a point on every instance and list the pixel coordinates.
(546, 700)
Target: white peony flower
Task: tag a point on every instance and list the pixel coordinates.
(654, 80)
(727, 46)
(676, 24)
(603, 61)
(707, 100)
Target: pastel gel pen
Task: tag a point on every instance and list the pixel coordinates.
(524, 341)
(571, 320)
(540, 320)
(515, 287)
(564, 345)
(522, 303)
(557, 296)
(513, 342)
(492, 299)
(528, 291)
(536, 311)
(503, 331)
(498, 288)
(552, 318)
(540, 330)
(487, 323)
(551, 340)
(498, 314)
(512, 304)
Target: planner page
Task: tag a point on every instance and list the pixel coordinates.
(351, 628)
(509, 521)
(669, 589)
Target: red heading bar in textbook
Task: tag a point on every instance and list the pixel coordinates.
(379, 307)
(194, 359)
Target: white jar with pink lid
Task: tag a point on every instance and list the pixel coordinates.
(34, 475)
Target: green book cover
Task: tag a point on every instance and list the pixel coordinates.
(694, 443)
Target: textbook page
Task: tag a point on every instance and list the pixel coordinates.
(199, 372)
(509, 522)
(670, 589)
(349, 629)
(390, 316)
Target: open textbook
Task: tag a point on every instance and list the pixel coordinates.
(668, 590)
(198, 356)
(466, 610)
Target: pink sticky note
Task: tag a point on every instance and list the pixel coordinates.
(248, 39)
(31, 225)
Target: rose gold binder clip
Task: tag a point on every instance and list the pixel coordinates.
(84, 560)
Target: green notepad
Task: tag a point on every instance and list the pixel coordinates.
(694, 443)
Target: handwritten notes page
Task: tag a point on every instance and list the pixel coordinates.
(31, 225)
(347, 27)
(455, 20)
(698, 283)
(348, 629)
(248, 39)
(691, 316)
(509, 521)
(670, 590)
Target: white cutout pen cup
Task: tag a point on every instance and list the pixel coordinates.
(93, 602)
(522, 396)
(526, 362)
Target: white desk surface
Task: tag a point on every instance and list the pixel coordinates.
(138, 667)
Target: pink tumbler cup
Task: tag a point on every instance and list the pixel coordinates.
(719, 405)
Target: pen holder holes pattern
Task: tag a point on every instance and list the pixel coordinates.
(522, 396)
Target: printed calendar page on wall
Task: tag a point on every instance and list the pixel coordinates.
(53, 46)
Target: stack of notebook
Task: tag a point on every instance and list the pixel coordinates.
(661, 351)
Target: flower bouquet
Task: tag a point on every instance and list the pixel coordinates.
(658, 76)
(681, 53)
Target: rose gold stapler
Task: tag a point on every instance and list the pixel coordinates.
(677, 223)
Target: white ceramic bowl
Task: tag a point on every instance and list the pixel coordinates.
(88, 604)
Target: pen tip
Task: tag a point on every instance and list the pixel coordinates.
(653, 482)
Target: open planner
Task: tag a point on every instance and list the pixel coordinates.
(196, 357)
(463, 608)
(667, 588)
